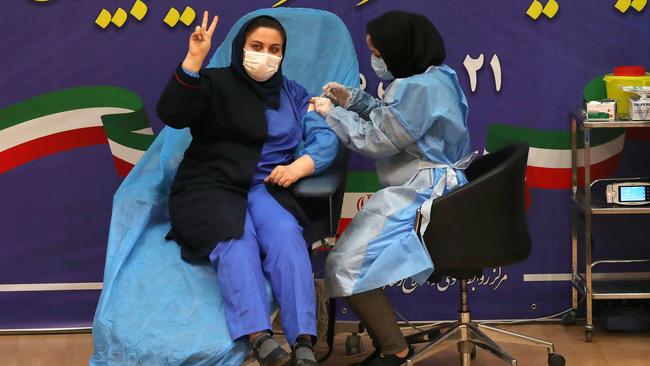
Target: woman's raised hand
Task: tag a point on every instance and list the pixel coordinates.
(200, 43)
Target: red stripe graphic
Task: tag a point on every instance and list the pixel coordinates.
(123, 167)
(560, 178)
(51, 144)
(642, 134)
(343, 223)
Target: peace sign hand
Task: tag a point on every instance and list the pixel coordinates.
(200, 43)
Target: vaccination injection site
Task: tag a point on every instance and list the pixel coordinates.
(334, 183)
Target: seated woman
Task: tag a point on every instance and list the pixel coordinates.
(418, 136)
(254, 133)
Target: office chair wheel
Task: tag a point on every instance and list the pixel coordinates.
(353, 344)
(569, 318)
(589, 335)
(555, 359)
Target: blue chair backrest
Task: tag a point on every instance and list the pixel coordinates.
(319, 47)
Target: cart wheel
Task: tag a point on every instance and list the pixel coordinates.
(555, 359)
(569, 318)
(589, 335)
(353, 344)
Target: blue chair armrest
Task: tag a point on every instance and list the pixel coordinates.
(323, 185)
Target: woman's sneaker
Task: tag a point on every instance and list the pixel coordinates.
(302, 353)
(267, 351)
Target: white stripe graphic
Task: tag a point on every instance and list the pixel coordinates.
(28, 287)
(561, 158)
(128, 154)
(145, 131)
(54, 123)
(551, 158)
(552, 277)
(351, 200)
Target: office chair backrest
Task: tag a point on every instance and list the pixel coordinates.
(483, 223)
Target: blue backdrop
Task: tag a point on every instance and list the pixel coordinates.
(58, 171)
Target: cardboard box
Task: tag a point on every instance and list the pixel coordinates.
(601, 110)
(639, 108)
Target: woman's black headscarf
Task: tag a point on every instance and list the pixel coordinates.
(268, 90)
(408, 43)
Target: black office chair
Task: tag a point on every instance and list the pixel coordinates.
(479, 225)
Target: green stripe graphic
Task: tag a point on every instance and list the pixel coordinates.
(362, 181)
(118, 127)
(68, 99)
(502, 135)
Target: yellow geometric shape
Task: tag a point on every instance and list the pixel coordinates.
(279, 3)
(623, 5)
(139, 10)
(172, 17)
(551, 8)
(639, 4)
(119, 18)
(188, 16)
(535, 10)
(362, 2)
(103, 19)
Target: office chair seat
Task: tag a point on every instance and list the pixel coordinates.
(323, 185)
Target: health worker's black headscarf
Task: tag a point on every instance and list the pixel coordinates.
(409, 43)
(269, 90)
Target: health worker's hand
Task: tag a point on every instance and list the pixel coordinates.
(338, 93)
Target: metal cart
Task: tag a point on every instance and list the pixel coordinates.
(607, 286)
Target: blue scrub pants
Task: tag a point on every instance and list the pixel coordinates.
(272, 247)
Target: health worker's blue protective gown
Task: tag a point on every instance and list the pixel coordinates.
(418, 136)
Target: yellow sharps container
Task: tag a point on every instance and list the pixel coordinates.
(625, 76)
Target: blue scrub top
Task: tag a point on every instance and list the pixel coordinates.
(293, 132)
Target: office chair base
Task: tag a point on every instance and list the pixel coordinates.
(468, 335)
(424, 336)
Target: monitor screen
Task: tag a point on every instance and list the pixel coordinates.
(632, 194)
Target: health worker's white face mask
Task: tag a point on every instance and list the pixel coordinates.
(381, 69)
(260, 65)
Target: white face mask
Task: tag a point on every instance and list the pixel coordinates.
(380, 67)
(260, 65)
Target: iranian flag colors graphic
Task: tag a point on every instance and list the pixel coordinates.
(549, 157)
(549, 161)
(360, 186)
(73, 118)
